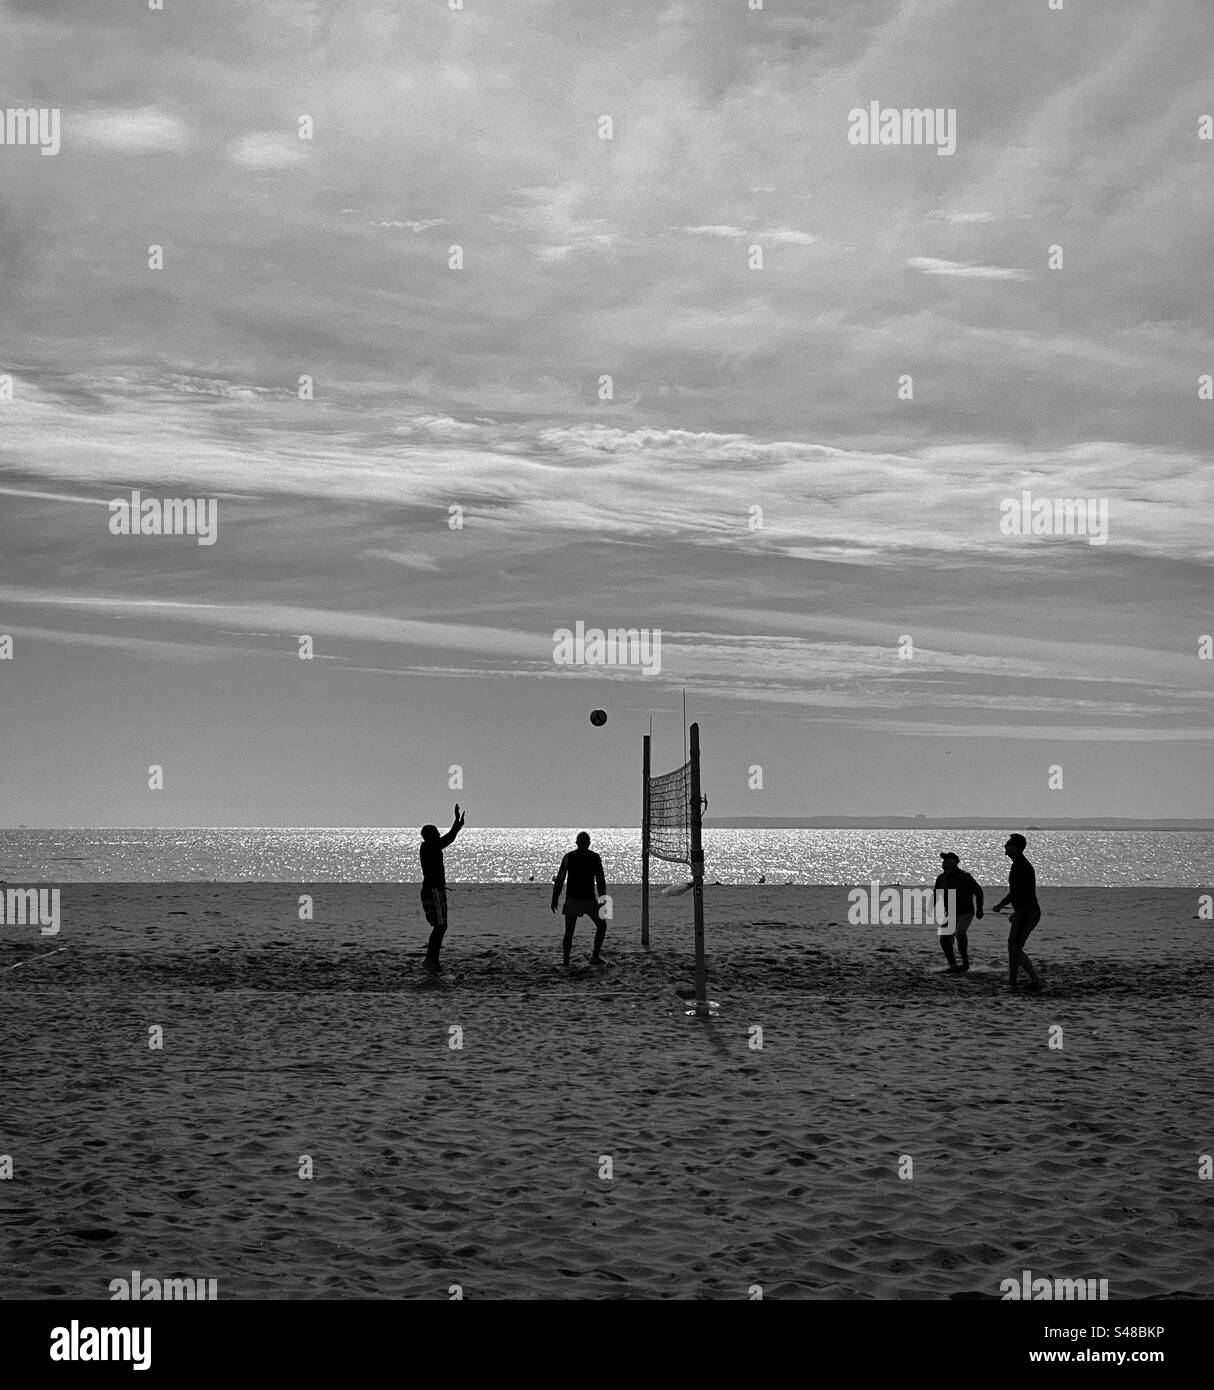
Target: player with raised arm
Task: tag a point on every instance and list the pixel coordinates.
(434, 885)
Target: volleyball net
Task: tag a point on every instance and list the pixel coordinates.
(672, 810)
(669, 809)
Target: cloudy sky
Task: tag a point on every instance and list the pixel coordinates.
(739, 395)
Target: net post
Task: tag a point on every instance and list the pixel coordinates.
(645, 843)
(697, 872)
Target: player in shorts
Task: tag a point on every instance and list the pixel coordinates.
(953, 878)
(583, 869)
(434, 885)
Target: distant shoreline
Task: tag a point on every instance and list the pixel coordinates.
(960, 823)
(910, 823)
(1005, 823)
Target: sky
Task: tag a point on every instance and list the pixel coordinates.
(817, 541)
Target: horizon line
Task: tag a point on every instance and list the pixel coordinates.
(752, 823)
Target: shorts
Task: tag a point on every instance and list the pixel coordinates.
(957, 926)
(434, 905)
(580, 907)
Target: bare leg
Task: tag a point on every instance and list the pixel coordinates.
(600, 931)
(433, 947)
(1030, 970)
(946, 945)
(963, 941)
(1018, 934)
(567, 944)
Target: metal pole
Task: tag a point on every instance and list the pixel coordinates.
(697, 872)
(645, 844)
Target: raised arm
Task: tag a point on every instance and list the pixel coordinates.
(456, 826)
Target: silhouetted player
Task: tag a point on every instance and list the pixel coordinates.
(953, 878)
(434, 885)
(587, 883)
(1026, 911)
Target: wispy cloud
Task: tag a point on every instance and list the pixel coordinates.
(930, 265)
(752, 482)
(417, 227)
(788, 238)
(715, 230)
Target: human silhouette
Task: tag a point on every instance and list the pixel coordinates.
(1026, 911)
(953, 878)
(581, 874)
(434, 885)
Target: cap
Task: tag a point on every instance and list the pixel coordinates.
(948, 854)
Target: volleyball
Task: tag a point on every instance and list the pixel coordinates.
(598, 717)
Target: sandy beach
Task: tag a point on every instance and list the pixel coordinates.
(480, 1166)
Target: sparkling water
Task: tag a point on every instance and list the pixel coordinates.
(1063, 858)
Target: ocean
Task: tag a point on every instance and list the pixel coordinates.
(1063, 858)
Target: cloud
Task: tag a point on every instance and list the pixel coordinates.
(929, 265)
(921, 506)
(130, 130)
(415, 227)
(488, 642)
(410, 559)
(715, 230)
(963, 219)
(553, 215)
(53, 496)
(267, 150)
(734, 389)
(789, 238)
(160, 649)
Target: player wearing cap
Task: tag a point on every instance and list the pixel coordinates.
(954, 879)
